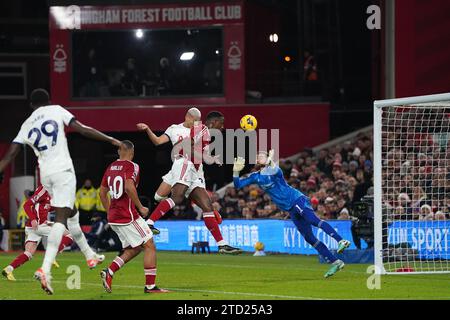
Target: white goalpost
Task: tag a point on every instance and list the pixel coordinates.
(412, 185)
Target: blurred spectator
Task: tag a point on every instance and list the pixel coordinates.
(131, 80)
(440, 216)
(86, 199)
(330, 209)
(90, 75)
(344, 214)
(165, 75)
(21, 214)
(109, 241)
(426, 213)
(94, 237)
(310, 74)
(99, 205)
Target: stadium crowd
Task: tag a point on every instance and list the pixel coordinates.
(416, 166)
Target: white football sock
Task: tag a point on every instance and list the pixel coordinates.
(73, 225)
(53, 241)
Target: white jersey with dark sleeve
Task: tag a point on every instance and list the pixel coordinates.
(177, 132)
(44, 132)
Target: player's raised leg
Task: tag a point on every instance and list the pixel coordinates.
(202, 199)
(304, 227)
(308, 214)
(161, 194)
(178, 191)
(73, 224)
(163, 191)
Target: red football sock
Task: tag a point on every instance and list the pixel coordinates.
(65, 242)
(150, 276)
(116, 265)
(162, 209)
(21, 259)
(211, 223)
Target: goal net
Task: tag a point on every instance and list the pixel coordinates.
(412, 185)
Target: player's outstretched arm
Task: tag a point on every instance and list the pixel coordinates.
(104, 197)
(93, 133)
(13, 151)
(131, 191)
(239, 164)
(152, 136)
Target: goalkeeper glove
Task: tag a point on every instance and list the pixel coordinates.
(270, 161)
(239, 164)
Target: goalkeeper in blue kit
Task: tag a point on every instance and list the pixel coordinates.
(270, 179)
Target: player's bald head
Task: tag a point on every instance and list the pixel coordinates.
(195, 114)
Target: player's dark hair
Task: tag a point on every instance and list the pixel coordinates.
(214, 115)
(39, 97)
(128, 144)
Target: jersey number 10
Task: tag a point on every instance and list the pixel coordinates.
(116, 188)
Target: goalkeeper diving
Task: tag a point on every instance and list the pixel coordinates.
(270, 179)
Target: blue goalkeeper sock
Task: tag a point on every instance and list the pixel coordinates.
(323, 250)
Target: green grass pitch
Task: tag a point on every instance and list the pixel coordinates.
(203, 276)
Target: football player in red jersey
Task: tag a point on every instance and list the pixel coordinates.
(37, 208)
(186, 176)
(124, 210)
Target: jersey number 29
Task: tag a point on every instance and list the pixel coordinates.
(49, 132)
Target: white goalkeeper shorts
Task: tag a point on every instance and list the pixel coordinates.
(134, 234)
(183, 171)
(62, 188)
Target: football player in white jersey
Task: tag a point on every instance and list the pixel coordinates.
(44, 132)
(186, 178)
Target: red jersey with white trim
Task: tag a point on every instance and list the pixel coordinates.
(201, 139)
(121, 210)
(38, 206)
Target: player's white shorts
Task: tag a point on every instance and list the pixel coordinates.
(134, 234)
(62, 188)
(183, 171)
(43, 230)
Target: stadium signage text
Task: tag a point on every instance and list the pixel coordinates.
(431, 239)
(277, 235)
(88, 16)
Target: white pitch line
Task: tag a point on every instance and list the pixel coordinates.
(235, 266)
(249, 293)
(195, 290)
